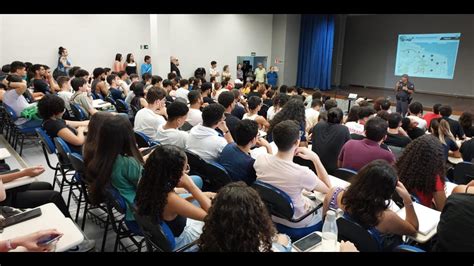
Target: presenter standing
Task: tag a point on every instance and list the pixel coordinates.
(404, 90)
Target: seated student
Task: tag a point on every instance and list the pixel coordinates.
(195, 102)
(239, 109)
(312, 113)
(280, 171)
(424, 180)
(82, 96)
(293, 110)
(254, 105)
(150, 118)
(432, 115)
(330, 103)
(51, 108)
(239, 204)
(65, 92)
(226, 99)
(98, 87)
(315, 96)
(235, 157)
(139, 91)
(329, 137)
(365, 201)
(43, 82)
(114, 90)
(353, 115)
(364, 114)
(355, 154)
(166, 169)
(445, 111)
(382, 104)
(35, 194)
(206, 92)
(183, 90)
(465, 120)
(203, 139)
(167, 86)
(279, 101)
(467, 150)
(122, 84)
(133, 78)
(93, 129)
(116, 162)
(396, 136)
(169, 133)
(411, 128)
(440, 129)
(455, 227)
(416, 113)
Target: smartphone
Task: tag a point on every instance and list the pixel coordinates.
(48, 240)
(18, 218)
(308, 242)
(149, 150)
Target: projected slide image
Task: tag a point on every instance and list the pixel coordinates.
(427, 55)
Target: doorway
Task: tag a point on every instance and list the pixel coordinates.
(249, 63)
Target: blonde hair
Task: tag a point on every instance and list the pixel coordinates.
(441, 130)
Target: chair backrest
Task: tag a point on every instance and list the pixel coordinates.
(63, 150)
(463, 173)
(363, 239)
(111, 100)
(397, 151)
(77, 111)
(10, 112)
(134, 109)
(344, 173)
(122, 106)
(214, 175)
(158, 236)
(45, 140)
(276, 200)
(186, 126)
(77, 162)
(143, 141)
(407, 248)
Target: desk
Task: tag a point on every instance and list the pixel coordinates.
(100, 104)
(4, 153)
(319, 248)
(51, 217)
(335, 182)
(19, 182)
(427, 217)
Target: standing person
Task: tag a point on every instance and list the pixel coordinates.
(404, 90)
(240, 72)
(118, 65)
(174, 62)
(272, 77)
(130, 65)
(213, 70)
(260, 73)
(63, 62)
(146, 67)
(226, 73)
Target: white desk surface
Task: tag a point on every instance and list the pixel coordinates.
(335, 182)
(19, 182)
(319, 248)
(100, 104)
(4, 153)
(50, 218)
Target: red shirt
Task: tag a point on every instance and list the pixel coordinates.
(429, 116)
(427, 199)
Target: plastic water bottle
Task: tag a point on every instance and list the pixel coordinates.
(329, 242)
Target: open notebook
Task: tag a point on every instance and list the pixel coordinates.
(428, 218)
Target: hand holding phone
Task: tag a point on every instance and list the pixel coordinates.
(48, 239)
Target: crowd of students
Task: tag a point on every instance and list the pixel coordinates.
(223, 123)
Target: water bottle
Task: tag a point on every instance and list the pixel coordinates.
(329, 242)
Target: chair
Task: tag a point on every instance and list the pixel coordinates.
(65, 167)
(213, 174)
(397, 151)
(78, 111)
(17, 132)
(110, 100)
(102, 219)
(122, 106)
(365, 240)
(134, 110)
(344, 173)
(143, 141)
(49, 148)
(186, 126)
(463, 173)
(407, 248)
(280, 205)
(158, 235)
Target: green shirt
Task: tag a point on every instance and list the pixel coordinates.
(260, 74)
(125, 175)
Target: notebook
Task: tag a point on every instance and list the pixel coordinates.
(428, 218)
(4, 153)
(448, 188)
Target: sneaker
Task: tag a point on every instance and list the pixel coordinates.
(85, 246)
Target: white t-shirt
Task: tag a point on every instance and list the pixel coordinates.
(148, 122)
(182, 93)
(17, 102)
(270, 113)
(249, 116)
(421, 122)
(172, 136)
(355, 128)
(205, 142)
(292, 179)
(194, 117)
(311, 117)
(213, 72)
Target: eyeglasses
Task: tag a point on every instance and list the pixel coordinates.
(187, 169)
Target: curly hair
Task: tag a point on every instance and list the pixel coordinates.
(161, 175)
(293, 110)
(418, 176)
(237, 221)
(368, 196)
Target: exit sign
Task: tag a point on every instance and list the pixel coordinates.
(253, 53)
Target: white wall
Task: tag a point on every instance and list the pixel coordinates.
(291, 49)
(92, 40)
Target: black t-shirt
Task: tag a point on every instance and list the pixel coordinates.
(455, 127)
(397, 140)
(176, 69)
(231, 122)
(469, 131)
(467, 150)
(52, 128)
(456, 226)
(415, 132)
(39, 85)
(208, 100)
(238, 112)
(328, 140)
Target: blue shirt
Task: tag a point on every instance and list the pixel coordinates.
(146, 68)
(272, 78)
(115, 93)
(238, 164)
(449, 146)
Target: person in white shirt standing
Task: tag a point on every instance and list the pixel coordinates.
(204, 140)
(150, 118)
(183, 90)
(169, 132)
(312, 114)
(213, 70)
(260, 73)
(195, 103)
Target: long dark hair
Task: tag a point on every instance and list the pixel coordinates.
(420, 164)
(162, 173)
(353, 115)
(237, 221)
(129, 60)
(368, 195)
(61, 50)
(93, 130)
(116, 138)
(118, 57)
(293, 110)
